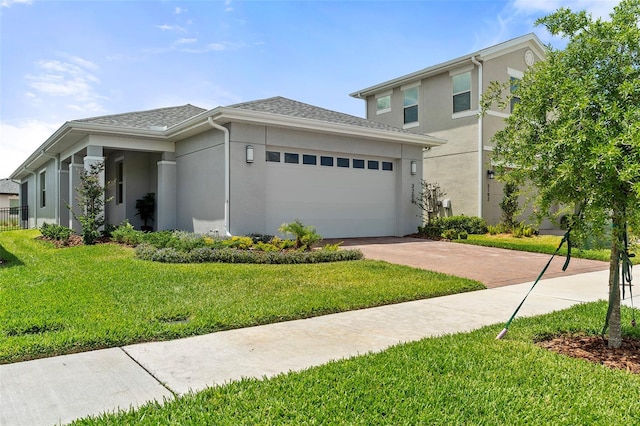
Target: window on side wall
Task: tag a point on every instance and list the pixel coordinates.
(43, 189)
(462, 92)
(512, 88)
(119, 182)
(410, 105)
(383, 103)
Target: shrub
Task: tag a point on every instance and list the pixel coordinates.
(186, 241)
(56, 232)
(260, 238)
(450, 234)
(522, 230)
(242, 243)
(463, 235)
(126, 234)
(231, 255)
(265, 246)
(468, 224)
(500, 228)
(158, 239)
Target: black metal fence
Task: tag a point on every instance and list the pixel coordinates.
(14, 218)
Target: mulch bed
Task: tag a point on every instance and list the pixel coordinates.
(594, 349)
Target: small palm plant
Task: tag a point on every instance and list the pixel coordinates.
(306, 236)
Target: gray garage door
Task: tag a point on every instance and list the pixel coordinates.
(340, 201)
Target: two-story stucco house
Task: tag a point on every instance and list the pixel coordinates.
(443, 101)
(245, 168)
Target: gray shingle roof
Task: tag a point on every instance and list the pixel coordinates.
(283, 106)
(155, 118)
(8, 187)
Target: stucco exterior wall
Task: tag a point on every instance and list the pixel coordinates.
(200, 182)
(262, 199)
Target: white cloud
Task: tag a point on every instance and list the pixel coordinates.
(84, 63)
(73, 79)
(9, 3)
(185, 41)
(20, 140)
(58, 78)
(227, 6)
(179, 10)
(166, 27)
(219, 47)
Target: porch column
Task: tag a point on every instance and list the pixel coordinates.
(75, 169)
(166, 194)
(63, 196)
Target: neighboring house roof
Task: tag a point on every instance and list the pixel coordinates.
(481, 55)
(283, 106)
(155, 119)
(7, 186)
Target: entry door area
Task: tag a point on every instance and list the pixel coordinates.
(340, 202)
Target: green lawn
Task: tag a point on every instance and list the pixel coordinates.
(57, 301)
(453, 380)
(538, 244)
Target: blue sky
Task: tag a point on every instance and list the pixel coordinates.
(65, 60)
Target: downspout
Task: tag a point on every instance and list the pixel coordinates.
(227, 174)
(480, 147)
(57, 186)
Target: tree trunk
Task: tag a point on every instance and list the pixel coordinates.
(615, 329)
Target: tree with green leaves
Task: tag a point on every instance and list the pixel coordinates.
(509, 205)
(91, 201)
(575, 135)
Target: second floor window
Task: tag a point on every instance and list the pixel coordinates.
(410, 105)
(462, 92)
(513, 87)
(383, 104)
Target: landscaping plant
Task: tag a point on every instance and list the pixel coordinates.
(91, 201)
(428, 200)
(306, 236)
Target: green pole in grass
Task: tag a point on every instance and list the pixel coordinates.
(564, 268)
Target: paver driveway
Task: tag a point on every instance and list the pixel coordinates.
(492, 266)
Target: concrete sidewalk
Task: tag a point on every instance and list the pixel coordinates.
(61, 389)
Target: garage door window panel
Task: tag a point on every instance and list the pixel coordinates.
(291, 158)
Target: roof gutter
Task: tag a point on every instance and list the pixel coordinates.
(480, 147)
(227, 174)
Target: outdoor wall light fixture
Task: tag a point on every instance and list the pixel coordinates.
(249, 154)
(491, 174)
(414, 167)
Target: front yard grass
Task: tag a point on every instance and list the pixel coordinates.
(57, 301)
(538, 244)
(457, 379)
